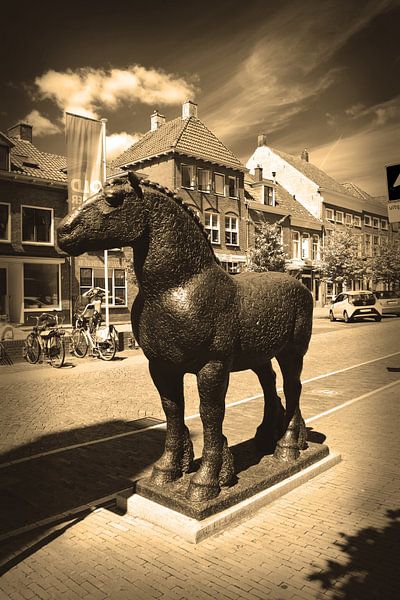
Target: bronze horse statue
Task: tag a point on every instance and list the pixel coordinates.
(190, 316)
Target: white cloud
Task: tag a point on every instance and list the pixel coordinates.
(378, 114)
(84, 91)
(42, 126)
(116, 143)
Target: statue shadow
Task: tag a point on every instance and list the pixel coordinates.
(68, 475)
(368, 567)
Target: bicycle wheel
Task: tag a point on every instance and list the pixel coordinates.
(79, 344)
(108, 348)
(57, 351)
(31, 349)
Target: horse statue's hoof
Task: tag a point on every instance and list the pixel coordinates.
(160, 476)
(287, 453)
(200, 493)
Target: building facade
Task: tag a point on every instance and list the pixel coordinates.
(333, 204)
(186, 157)
(35, 275)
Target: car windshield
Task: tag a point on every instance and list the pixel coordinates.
(388, 294)
(362, 299)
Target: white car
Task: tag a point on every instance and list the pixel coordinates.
(351, 305)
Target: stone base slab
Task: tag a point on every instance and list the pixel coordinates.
(194, 530)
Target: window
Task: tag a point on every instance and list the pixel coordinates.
(367, 220)
(376, 245)
(329, 214)
(204, 180)
(116, 283)
(349, 219)
(315, 247)
(231, 267)
(384, 224)
(219, 184)
(268, 195)
(305, 245)
(375, 222)
(5, 223)
(233, 187)
(368, 244)
(4, 158)
(232, 231)
(211, 224)
(356, 221)
(188, 176)
(359, 245)
(339, 216)
(296, 244)
(41, 286)
(37, 225)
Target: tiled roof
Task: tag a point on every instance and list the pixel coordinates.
(323, 180)
(356, 191)
(185, 136)
(284, 201)
(26, 159)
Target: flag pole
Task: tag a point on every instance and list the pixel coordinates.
(104, 177)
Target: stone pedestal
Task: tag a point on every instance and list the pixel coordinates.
(260, 480)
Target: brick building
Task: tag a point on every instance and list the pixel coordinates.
(185, 156)
(333, 204)
(35, 276)
(268, 201)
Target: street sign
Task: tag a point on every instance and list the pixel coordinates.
(393, 183)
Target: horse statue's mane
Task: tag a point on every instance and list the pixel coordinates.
(136, 181)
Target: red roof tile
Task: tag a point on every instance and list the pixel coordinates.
(26, 159)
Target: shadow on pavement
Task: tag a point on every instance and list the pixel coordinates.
(371, 570)
(78, 478)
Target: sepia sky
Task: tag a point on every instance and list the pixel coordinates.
(321, 74)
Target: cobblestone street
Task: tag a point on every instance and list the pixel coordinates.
(71, 439)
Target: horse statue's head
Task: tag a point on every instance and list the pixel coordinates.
(114, 217)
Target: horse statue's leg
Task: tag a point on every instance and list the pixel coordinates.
(294, 437)
(178, 453)
(217, 466)
(271, 427)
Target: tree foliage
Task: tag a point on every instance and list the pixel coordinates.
(340, 261)
(385, 267)
(268, 254)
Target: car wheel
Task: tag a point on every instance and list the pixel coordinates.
(332, 316)
(378, 318)
(346, 317)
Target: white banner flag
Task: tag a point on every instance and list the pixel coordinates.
(85, 158)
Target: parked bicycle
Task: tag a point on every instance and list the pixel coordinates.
(46, 340)
(88, 333)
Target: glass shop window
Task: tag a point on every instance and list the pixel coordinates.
(41, 286)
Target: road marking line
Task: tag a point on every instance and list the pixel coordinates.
(189, 418)
(349, 402)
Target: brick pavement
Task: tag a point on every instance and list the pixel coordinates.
(101, 554)
(335, 537)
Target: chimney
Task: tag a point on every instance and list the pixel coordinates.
(189, 109)
(258, 173)
(304, 155)
(262, 139)
(156, 120)
(21, 131)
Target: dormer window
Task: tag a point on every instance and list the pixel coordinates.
(268, 195)
(4, 158)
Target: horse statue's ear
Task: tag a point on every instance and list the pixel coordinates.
(135, 183)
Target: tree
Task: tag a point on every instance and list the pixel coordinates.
(268, 254)
(340, 261)
(385, 267)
